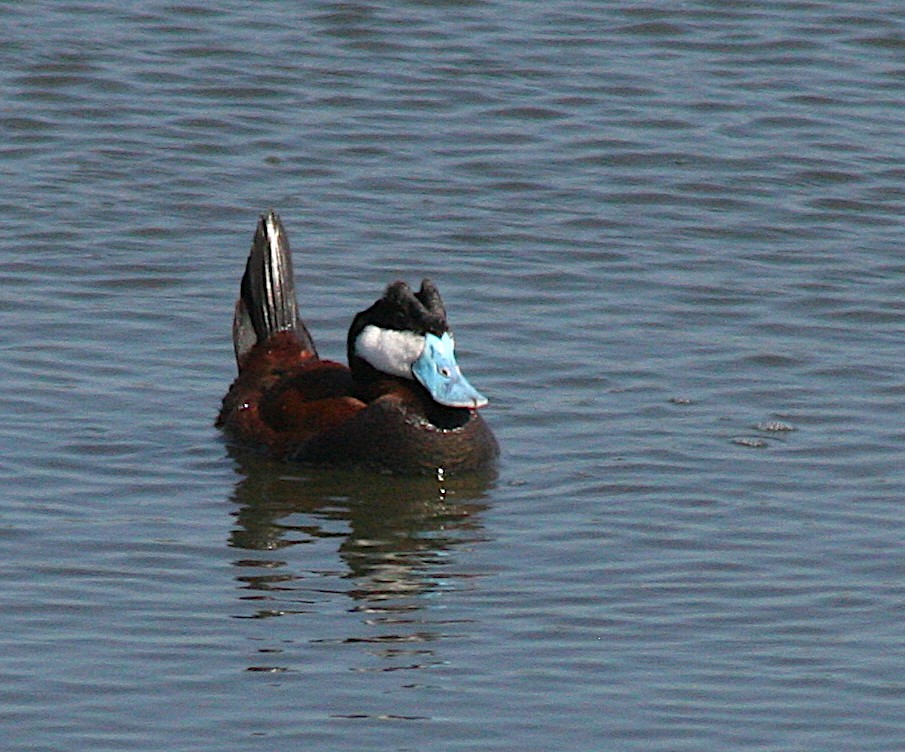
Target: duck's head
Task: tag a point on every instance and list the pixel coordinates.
(405, 334)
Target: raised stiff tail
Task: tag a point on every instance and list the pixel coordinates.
(267, 302)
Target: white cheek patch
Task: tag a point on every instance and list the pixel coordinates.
(388, 350)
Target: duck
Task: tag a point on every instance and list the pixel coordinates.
(401, 405)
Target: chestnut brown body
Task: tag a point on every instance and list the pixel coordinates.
(292, 404)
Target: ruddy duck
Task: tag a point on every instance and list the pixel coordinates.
(402, 405)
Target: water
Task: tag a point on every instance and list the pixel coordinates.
(669, 238)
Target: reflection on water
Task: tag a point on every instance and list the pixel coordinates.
(392, 536)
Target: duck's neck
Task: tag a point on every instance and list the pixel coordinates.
(370, 384)
(446, 417)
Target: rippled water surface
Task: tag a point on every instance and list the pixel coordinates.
(669, 236)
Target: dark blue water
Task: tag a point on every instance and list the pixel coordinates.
(669, 237)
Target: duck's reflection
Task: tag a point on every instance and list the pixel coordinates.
(393, 537)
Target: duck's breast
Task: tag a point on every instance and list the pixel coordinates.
(393, 433)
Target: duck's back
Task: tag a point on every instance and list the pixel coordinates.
(284, 395)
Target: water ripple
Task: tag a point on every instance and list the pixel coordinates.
(669, 242)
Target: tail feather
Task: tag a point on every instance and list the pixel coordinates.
(267, 302)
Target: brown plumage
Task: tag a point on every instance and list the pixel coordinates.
(289, 402)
